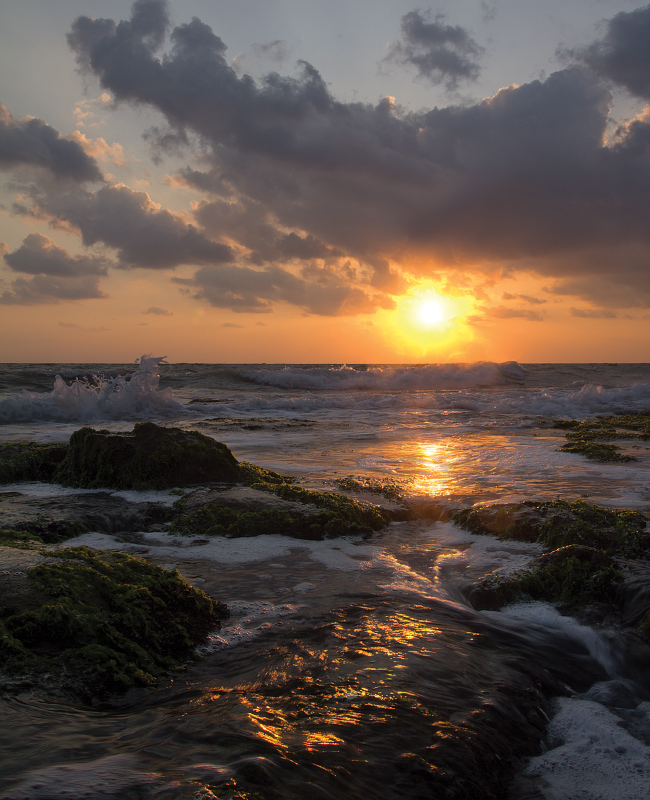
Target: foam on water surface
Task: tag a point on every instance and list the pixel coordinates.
(591, 757)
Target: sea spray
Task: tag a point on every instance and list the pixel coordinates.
(95, 398)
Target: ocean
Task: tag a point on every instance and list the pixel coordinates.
(345, 661)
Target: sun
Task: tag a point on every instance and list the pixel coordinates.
(429, 325)
(430, 312)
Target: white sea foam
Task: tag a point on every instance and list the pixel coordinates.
(593, 757)
(245, 625)
(103, 398)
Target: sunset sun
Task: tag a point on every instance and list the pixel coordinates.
(431, 312)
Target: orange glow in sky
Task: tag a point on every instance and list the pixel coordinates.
(429, 325)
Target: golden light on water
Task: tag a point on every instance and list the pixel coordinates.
(435, 477)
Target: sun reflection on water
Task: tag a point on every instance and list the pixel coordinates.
(435, 476)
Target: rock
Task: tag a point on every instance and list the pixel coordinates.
(150, 457)
(100, 622)
(54, 519)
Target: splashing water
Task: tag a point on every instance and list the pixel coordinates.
(99, 398)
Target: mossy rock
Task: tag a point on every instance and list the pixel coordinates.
(573, 576)
(29, 461)
(214, 519)
(150, 457)
(110, 622)
(559, 523)
(20, 539)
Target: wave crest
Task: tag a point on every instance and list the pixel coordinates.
(413, 378)
(99, 398)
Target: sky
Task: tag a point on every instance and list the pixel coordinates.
(324, 181)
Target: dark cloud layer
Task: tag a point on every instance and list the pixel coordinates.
(40, 255)
(623, 55)
(57, 275)
(441, 53)
(143, 233)
(524, 178)
(31, 141)
(51, 289)
(254, 291)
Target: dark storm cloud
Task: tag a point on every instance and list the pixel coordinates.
(32, 142)
(623, 54)
(253, 291)
(143, 233)
(40, 255)
(441, 53)
(523, 178)
(42, 289)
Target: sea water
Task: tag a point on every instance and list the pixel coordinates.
(339, 654)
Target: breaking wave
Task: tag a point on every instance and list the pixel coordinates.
(97, 397)
(432, 376)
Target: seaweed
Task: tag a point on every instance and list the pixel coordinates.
(113, 621)
(20, 539)
(572, 576)
(213, 519)
(588, 437)
(29, 461)
(150, 457)
(388, 488)
(559, 523)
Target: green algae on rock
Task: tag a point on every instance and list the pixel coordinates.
(589, 437)
(573, 576)
(150, 457)
(558, 523)
(29, 461)
(109, 621)
(213, 519)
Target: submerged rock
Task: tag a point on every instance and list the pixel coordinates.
(99, 622)
(54, 519)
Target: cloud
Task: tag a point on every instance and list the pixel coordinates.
(143, 233)
(502, 312)
(592, 313)
(441, 53)
(247, 290)
(231, 325)
(57, 275)
(43, 289)
(623, 54)
(163, 312)
(100, 149)
(40, 255)
(298, 184)
(527, 298)
(30, 141)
